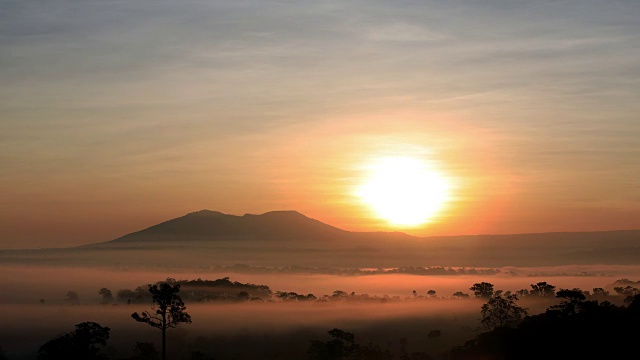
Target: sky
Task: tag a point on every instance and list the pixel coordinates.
(118, 115)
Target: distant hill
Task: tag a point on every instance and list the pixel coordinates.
(287, 238)
(207, 225)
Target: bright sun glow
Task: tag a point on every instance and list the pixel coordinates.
(404, 190)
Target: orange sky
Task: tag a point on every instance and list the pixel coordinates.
(111, 124)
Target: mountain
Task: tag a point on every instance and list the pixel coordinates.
(287, 238)
(206, 225)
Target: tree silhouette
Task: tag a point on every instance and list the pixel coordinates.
(598, 291)
(460, 295)
(543, 289)
(341, 346)
(628, 291)
(482, 290)
(107, 296)
(168, 311)
(572, 301)
(502, 312)
(339, 294)
(82, 344)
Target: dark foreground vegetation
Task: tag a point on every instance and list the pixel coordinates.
(576, 328)
(576, 324)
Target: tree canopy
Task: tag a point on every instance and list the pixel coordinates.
(84, 343)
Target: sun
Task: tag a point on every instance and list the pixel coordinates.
(404, 191)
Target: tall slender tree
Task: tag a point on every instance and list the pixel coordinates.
(168, 311)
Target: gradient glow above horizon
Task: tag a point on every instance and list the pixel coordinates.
(118, 115)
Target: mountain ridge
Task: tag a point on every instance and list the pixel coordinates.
(207, 224)
(293, 215)
(208, 238)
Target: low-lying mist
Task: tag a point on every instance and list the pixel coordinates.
(28, 284)
(247, 330)
(35, 311)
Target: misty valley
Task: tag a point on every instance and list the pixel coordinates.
(284, 286)
(406, 316)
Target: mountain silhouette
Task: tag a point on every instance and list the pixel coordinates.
(288, 238)
(207, 225)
